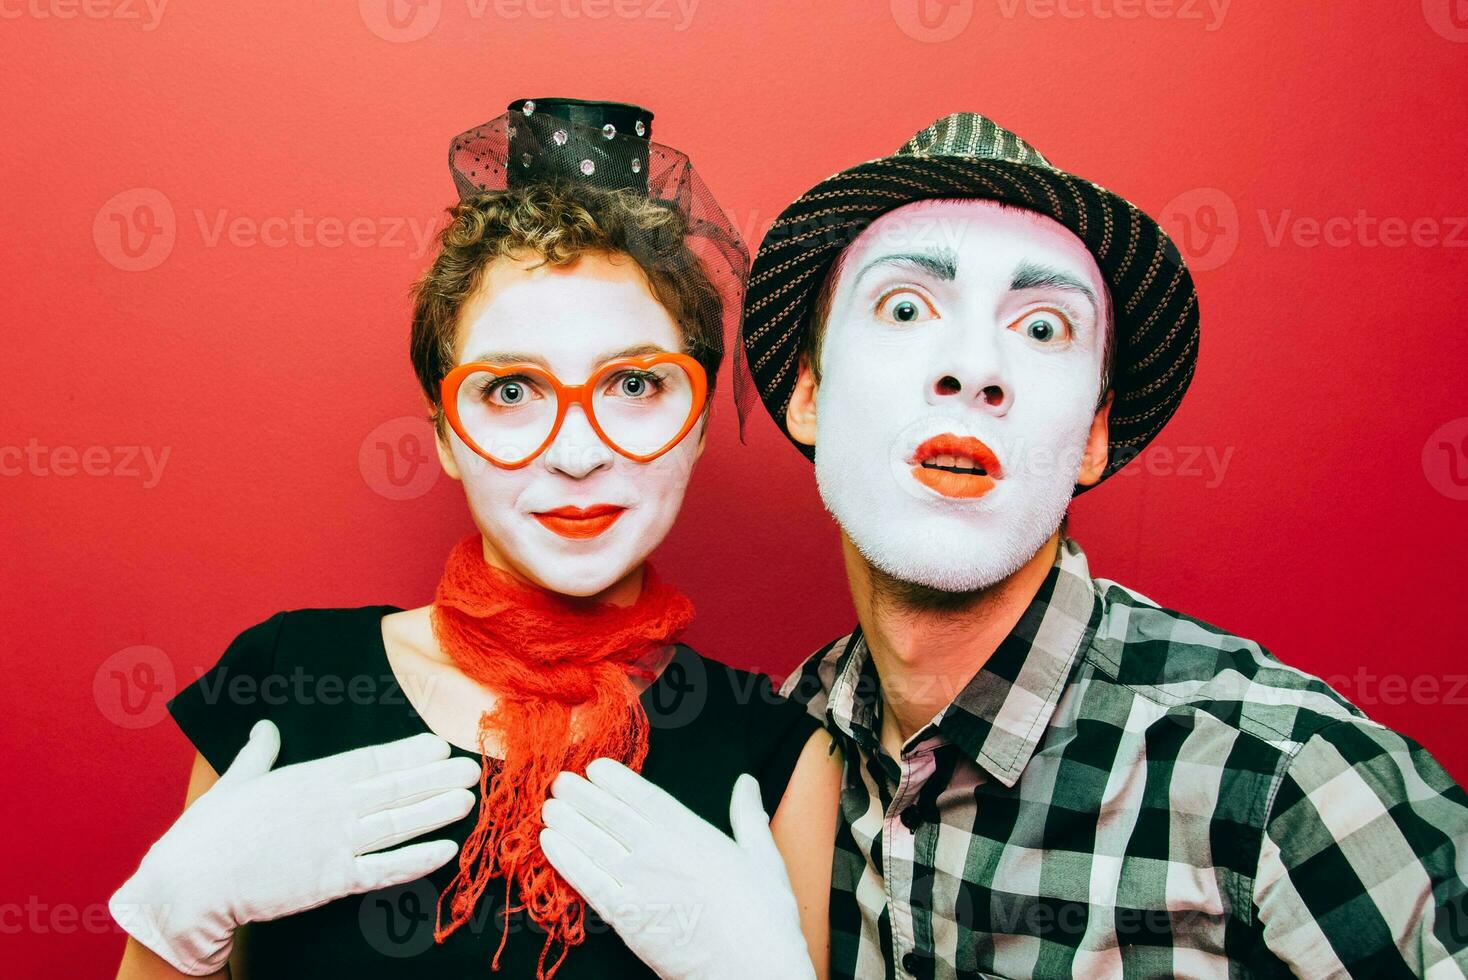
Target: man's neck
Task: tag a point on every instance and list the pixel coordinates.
(927, 645)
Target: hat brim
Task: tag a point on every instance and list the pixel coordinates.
(1153, 297)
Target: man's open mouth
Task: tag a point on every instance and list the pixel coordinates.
(956, 466)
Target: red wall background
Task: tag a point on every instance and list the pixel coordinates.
(212, 213)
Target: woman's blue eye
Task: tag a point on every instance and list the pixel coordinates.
(508, 392)
(1041, 330)
(905, 311)
(636, 384)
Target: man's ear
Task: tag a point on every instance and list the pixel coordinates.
(446, 455)
(1093, 463)
(800, 414)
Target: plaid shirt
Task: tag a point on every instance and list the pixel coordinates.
(1123, 790)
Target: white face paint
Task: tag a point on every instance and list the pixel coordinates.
(571, 319)
(955, 321)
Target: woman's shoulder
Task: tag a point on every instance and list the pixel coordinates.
(334, 659)
(320, 635)
(720, 682)
(739, 707)
(316, 619)
(743, 688)
(291, 667)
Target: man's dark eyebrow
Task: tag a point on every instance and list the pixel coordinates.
(1031, 275)
(940, 263)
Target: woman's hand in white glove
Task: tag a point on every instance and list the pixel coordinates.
(262, 844)
(690, 901)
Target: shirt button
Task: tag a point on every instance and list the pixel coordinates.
(912, 819)
(911, 961)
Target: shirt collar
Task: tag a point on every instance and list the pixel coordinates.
(851, 707)
(1000, 716)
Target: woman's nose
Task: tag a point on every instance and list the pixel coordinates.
(577, 451)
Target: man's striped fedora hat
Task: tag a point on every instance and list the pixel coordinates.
(968, 155)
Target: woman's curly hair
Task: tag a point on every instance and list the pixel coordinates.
(560, 222)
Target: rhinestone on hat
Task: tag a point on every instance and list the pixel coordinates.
(637, 166)
(524, 159)
(640, 129)
(609, 130)
(528, 108)
(560, 137)
(587, 167)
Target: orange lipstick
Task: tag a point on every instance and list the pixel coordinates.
(580, 522)
(956, 466)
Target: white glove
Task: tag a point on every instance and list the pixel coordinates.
(689, 901)
(260, 844)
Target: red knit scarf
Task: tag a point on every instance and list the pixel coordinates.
(543, 654)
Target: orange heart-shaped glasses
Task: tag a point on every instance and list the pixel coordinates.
(568, 395)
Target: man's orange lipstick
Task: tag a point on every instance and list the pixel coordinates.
(955, 466)
(580, 522)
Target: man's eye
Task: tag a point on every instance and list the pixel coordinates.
(1045, 327)
(903, 307)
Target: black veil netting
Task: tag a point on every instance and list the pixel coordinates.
(605, 146)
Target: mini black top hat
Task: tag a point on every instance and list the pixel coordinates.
(599, 144)
(588, 149)
(968, 155)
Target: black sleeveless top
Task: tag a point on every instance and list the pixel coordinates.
(323, 677)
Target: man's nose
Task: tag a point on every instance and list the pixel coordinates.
(971, 372)
(577, 451)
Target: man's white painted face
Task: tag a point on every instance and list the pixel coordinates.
(959, 375)
(580, 516)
